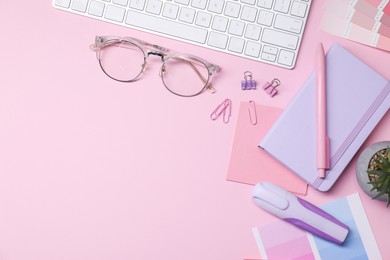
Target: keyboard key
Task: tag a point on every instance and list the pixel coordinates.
(286, 57)
(252, 49)
(120, 2)
(170, 10)
(252, 32)
(265, 18)
(80, 5)
(137, 4)
(62, 3)
(288, 23)
(201, 4)
(157, 24)
(96, 8)
(265, 3)
(236, 28)
(187, 15)
(280, 39)
(249, 2)
(154, 7)
(218, 40)
(183, 2)
(203, 19)
(220, 23)
(248, 13)
(268, 56)
(298, 9)
(236, 45)
(232, 9)
(270, 49)
(216, 6)
(115, 13)
(282, 6)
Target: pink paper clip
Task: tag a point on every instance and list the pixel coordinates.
(253, 114)
(248, 83)
(223, 108)
(270, 88)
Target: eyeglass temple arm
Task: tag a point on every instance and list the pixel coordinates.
(209, 87)
(94, 47)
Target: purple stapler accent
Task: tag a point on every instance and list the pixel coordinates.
(299, 212)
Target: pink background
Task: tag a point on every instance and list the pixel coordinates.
(95, 169)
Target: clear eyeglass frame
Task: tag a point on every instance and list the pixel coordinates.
(200, 68)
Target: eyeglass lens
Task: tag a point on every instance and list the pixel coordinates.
(183, 76)
(122, 61)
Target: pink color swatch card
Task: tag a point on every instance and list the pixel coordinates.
(298, 244)
(248, 163)
(358, 21)
(348, 13)
(376, 9)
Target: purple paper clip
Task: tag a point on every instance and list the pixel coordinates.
(270, 88)
(248, 83)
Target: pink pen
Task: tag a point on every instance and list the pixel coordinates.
(322, 138)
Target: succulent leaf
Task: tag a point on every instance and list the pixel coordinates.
(380, 174)
(383, 163)
(388, 153)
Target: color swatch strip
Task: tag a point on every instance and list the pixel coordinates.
(371, 8)
(357, 21)
(352, 15)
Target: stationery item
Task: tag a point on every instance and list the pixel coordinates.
(252, 112)
(295, 243)
(270, 88)
(268, 31)
(223, 109)
(248, 164)
(349, 14)
(248, 83)
(357, 98)
(322, 138)
(368, 9)
(299, 212)
(382, 5)
(335, 25)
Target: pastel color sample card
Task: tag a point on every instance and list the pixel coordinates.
(358, 21)
(349, 14)
(248, 163)
(369, 8)
(298, 244)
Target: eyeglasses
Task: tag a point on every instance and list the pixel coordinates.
(124, 59)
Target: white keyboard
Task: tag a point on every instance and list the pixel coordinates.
(268, 31)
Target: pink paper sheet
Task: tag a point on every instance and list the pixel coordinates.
(250, 164)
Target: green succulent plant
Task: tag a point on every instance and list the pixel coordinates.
(379, 173)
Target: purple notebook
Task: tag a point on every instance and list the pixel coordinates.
(357, 98)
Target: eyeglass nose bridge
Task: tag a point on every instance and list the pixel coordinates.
(162, 56)
(157, 53)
